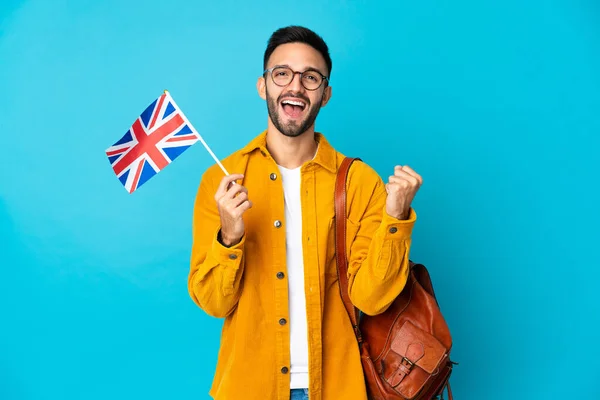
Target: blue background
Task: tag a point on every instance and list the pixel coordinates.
(496, 105)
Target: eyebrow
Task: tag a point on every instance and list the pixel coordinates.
(307, 69)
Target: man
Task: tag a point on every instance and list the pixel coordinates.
(263, 254)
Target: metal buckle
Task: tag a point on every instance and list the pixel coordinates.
(410, 363)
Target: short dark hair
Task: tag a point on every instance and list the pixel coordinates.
(297, 34)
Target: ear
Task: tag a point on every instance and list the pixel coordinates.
(326, 96)
(261, 87)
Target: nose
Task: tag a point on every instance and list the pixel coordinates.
(296, 84)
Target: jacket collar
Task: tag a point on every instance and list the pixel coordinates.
(326, 154)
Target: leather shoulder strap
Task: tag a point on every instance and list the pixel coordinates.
(340, 242)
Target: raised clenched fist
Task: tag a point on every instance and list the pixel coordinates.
(402, 188)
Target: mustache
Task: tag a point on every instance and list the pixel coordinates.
(293, 95)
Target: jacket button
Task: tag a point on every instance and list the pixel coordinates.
(282, 321)
(280, 275)
(277, 224)
(284, 370)
(273, 176)
(393, 229)
(232, 256)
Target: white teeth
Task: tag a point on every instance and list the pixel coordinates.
(294, 103)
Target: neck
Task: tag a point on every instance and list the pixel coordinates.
(291, 152)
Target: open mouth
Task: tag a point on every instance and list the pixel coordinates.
(293, 107)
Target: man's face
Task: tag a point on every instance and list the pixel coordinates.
(290, 119)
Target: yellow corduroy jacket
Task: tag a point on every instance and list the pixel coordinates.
(247, 284)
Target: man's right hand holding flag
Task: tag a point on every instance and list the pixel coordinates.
(232, 202)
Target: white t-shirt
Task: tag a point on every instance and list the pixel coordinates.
(295, 271)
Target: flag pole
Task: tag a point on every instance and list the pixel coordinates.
(196, 132)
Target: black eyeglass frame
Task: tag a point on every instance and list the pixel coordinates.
(270, 71)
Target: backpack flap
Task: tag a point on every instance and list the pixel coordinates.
(414, 356)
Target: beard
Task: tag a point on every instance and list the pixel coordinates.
(292, 128)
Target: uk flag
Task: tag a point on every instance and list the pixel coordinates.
(156, 138)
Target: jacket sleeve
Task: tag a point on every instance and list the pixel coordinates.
(378, 260)
(214, 280)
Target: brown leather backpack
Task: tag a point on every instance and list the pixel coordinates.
(405, 351)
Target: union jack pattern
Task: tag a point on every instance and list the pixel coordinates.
(156, 138)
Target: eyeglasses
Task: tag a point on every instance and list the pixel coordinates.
(310, 79)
